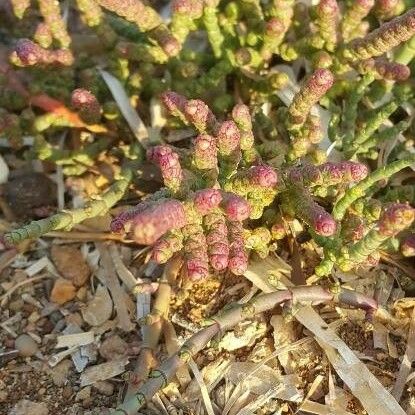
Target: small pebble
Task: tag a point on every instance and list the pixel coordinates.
(67, 392)
(104, 387)
(45, 326)
(74, 319)
(16, 305)
(34, 317)
(3, 396)
(82, 294)
(113, 348)
(71, 264)
(55, 316)
(87, 403)
(26, 407)
(99, 308)
(26, 345)
(59, 373)
(83, 394)
(62, 291)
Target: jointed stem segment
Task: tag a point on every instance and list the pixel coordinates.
(226, 320)
(67, 219)
(359, 190)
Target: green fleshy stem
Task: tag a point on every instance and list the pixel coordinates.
(45, 121)
(211, 79)
(125, 29)
(216, 39)
(375, 120)
(333, 127)
(259, 240)
(350, 108)
(181, 25)
(383, 39)
(359, 190)
(361, 250)
(283, 9)
(385, 135)
(259, 200)
(252, 10)
(51, 13)
(66, 219)
(20, 7)
(228, 165)
(144, 52)
(406, 53)
(324, 268)
(91, 12)
(137, 12)
(352, 18)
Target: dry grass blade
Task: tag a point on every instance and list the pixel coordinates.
(7, 257)
(129, 113)
(262, 400)
(241, 388)
(238, 403)
(310, 407)
(363, 384)
(39, 265)
(4, 171)
(203, 388)
(118, 294)
(123, 272)
(406, 364)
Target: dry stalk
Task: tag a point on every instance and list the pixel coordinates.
(160, 377)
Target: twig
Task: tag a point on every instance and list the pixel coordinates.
(20, 284)
(87, 236)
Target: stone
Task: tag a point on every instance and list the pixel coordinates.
(62, 291)
(113, 348)
(16, 305)
(59, 373)
(83, 394)
(67, 392)
(71, 264)
(3, 396)
(104, 387)
(26, 345)
(26, 407)
(29, 192)
(99, 308)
